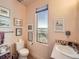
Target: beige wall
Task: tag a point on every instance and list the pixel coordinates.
(78, 18)
(38, 50)
(66, 9)
(17, 10)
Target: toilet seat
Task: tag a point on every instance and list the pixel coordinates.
(23, 52)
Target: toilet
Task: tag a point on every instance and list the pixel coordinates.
(22, 51)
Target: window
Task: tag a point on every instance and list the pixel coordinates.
(42, 25)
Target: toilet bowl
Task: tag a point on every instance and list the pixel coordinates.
(22, 51)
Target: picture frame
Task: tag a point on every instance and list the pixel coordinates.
(5, 22)
(30, 27)
(18, 31)
(18, 22)
(2, 37)
(4, 11)
(59, 25)
(30, 36)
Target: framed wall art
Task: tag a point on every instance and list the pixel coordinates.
(30, 27)
(18, 31)
(4, 12)
(2, 37)
(5, 22)
(18, 22)
(59, 25)
(30, 36)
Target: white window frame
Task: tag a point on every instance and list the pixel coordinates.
(36, 30)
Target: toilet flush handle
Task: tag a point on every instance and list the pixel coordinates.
(32, 43)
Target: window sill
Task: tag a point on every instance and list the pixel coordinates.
(41, 43)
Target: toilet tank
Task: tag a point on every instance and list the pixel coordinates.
(19, 45)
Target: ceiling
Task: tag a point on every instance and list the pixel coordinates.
(26, 2)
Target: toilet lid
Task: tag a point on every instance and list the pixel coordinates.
(24, 51)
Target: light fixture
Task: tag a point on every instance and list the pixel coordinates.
(19, 0)
(67, 33)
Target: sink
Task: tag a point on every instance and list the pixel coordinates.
(64, 52)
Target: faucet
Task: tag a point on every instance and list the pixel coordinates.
(75, 47)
